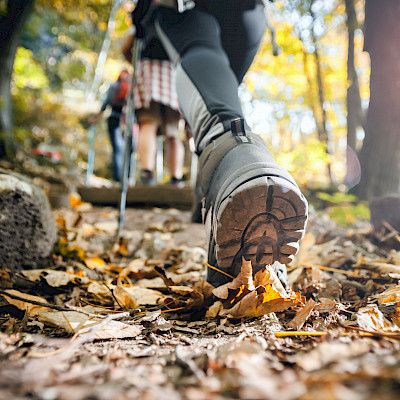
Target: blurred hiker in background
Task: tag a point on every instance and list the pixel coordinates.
(156, 106)
(115, 99)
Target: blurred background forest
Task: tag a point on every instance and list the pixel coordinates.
(307, 93)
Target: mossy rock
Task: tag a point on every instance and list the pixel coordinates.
(27, 226)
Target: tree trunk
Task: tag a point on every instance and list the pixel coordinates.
(11, 22)
(380, 153)
(323, 131)
(101, 61)
(353, 90)
(311, 93)
(353, 101)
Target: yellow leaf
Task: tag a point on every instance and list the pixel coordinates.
(75, 200)
(245, 297)
(95, 263)
(270, 294)
(244, 278)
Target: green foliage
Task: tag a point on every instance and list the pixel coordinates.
(34, 127)
(337, 198)
(73, 67)
(344, 208)
(349, 214)
(306, 162)
(27, 72)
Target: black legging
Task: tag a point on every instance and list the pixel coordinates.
(213, 46)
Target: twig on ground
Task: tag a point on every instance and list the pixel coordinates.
(220, 271)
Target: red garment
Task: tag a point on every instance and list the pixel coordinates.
(155, 82)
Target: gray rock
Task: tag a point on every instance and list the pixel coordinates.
(27, 227)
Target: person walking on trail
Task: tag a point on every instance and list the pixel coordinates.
(156, 107)
(116, 99)
(252, 207)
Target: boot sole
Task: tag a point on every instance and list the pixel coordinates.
(262, 221)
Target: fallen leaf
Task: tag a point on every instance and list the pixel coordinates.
(245, 297)
(389, 296)
(100, 290)
(29, 308)
(151, 283)
(370, 318)
(326, 305)
(74, 200)
(124, 298)
(69, 321)
(53, 277)
(330, 352)
(72, 322)
(109, 227)
(214, 310)
(245, 278)
(139, 295)
(302, 315)
(77, 204)
(95, 263)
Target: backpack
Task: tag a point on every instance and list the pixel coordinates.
(122, 90)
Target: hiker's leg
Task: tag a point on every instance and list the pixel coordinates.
(149, 122)
(113, 125)
(175, 157)
(119, 153)
(175, 151)
(147, 144)
(242, 29)
(253, 208)
(206, 85)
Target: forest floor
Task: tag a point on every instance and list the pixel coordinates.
(135, 319)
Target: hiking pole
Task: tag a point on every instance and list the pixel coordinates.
(91, 153)
(129, 145)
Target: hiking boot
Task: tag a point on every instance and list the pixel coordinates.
(147, 177)
(252, 207)
(177, 182)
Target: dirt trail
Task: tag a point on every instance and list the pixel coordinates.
(154, 352)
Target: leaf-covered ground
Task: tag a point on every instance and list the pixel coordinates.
(135, 319)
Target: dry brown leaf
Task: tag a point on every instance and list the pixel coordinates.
(69, 321)
(30, 309)
(72, 322)
(326, 305)
(370, 318)
(302, 315)
(245, 278)
(253, 305)
(151, 283)
(326, 353)
(215, 310)
(245, 297)
(396, 315)
(100, 290)
(124, 298)
(307, 254)
(135, 267)
(109, 227)
(143, 296)
(389, 296)
(52, 277)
